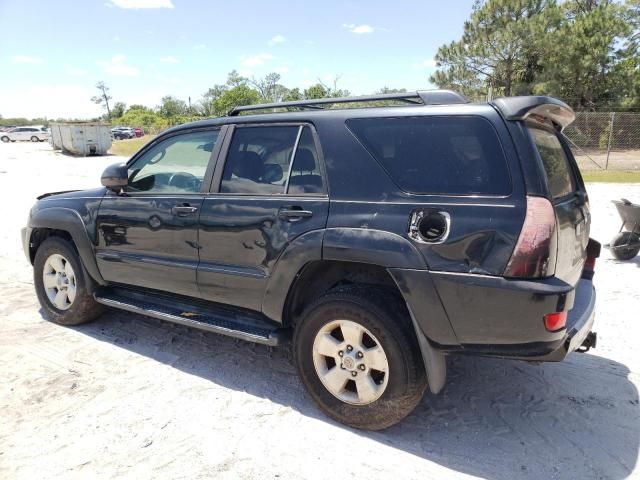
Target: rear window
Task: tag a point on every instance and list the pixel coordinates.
(437, 155)
(555, 161)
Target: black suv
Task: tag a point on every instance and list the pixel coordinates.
(381, 237)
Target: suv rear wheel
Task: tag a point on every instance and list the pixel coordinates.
(60, 284)
(358, 358)
(35, 139)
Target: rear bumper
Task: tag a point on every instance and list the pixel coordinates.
(579, 323)
(500, 317)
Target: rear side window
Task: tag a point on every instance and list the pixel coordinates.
(437, 155)
(264, 160)
(555, 161)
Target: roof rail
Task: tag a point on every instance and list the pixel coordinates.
(421, 97)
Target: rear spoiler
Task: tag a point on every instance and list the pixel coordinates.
(521, 108)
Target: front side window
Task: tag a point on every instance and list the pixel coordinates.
(555, 162)
(260, 162)
(451, 155)
(175, 165)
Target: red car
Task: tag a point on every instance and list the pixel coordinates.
(139, 132)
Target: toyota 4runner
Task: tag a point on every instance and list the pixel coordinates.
(380, 234)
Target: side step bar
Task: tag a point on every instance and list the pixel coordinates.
(235, 323)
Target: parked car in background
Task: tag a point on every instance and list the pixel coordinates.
(139, 132)
(33, 134)
(123, 133)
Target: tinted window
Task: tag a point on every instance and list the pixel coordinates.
(306, 176)
(258, 160)
(175, 165)
(555, 161)
(445, 155)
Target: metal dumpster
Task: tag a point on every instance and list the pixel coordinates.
(81, 138)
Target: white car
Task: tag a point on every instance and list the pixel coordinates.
(34, 134)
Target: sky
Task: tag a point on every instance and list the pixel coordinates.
(52, 53)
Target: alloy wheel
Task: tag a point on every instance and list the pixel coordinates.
(59, 281)
(350, 362)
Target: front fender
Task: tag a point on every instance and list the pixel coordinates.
(69, 220)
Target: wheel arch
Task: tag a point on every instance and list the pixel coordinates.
(65, 223)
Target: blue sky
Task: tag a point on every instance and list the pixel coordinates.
(53, 52)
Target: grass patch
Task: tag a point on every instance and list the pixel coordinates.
(126, 148)
(611, 176)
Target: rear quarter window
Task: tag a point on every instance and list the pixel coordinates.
(555, 162)
(436, 154)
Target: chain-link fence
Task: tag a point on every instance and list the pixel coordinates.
(606, 140)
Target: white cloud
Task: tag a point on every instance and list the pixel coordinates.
(141, 4)
(75, 72)
(200, 46)
(169, 59)
(118, 67)
(353, 28)
(256, 60)
(277, 39)
(116, 38)
(27, 59)
(281, 69)
(429, 64)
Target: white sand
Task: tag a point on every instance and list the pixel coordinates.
(132, 397)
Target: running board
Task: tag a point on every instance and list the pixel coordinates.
(237, 323)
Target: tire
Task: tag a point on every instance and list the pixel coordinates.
(391, 396)
(5, 139)
(624, 238)
(82, 308)
(35, 139)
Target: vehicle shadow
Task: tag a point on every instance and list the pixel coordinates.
(495, 419)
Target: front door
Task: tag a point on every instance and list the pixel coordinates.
(270, 190)
(148, 234)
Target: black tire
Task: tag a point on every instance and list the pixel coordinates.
(5, 139)
(84, 308)
(35, 139)
(625, 238)
(382, 313)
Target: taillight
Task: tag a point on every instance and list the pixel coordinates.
(531, 257)
(555, 321)
(593, 252)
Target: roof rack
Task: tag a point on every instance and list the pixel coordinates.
(421, 97)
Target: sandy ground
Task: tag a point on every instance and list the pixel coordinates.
(133, 397)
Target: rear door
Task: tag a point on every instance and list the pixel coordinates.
(569, 200)
(270, 189)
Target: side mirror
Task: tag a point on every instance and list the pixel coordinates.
(115, 177)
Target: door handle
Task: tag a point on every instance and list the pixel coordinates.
(293, 214)
(184, 210)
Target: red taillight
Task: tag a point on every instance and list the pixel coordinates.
(590, 264)
(531, 256)
(555, 321)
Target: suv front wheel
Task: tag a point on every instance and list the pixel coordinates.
(60, 284)
(358, 357)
